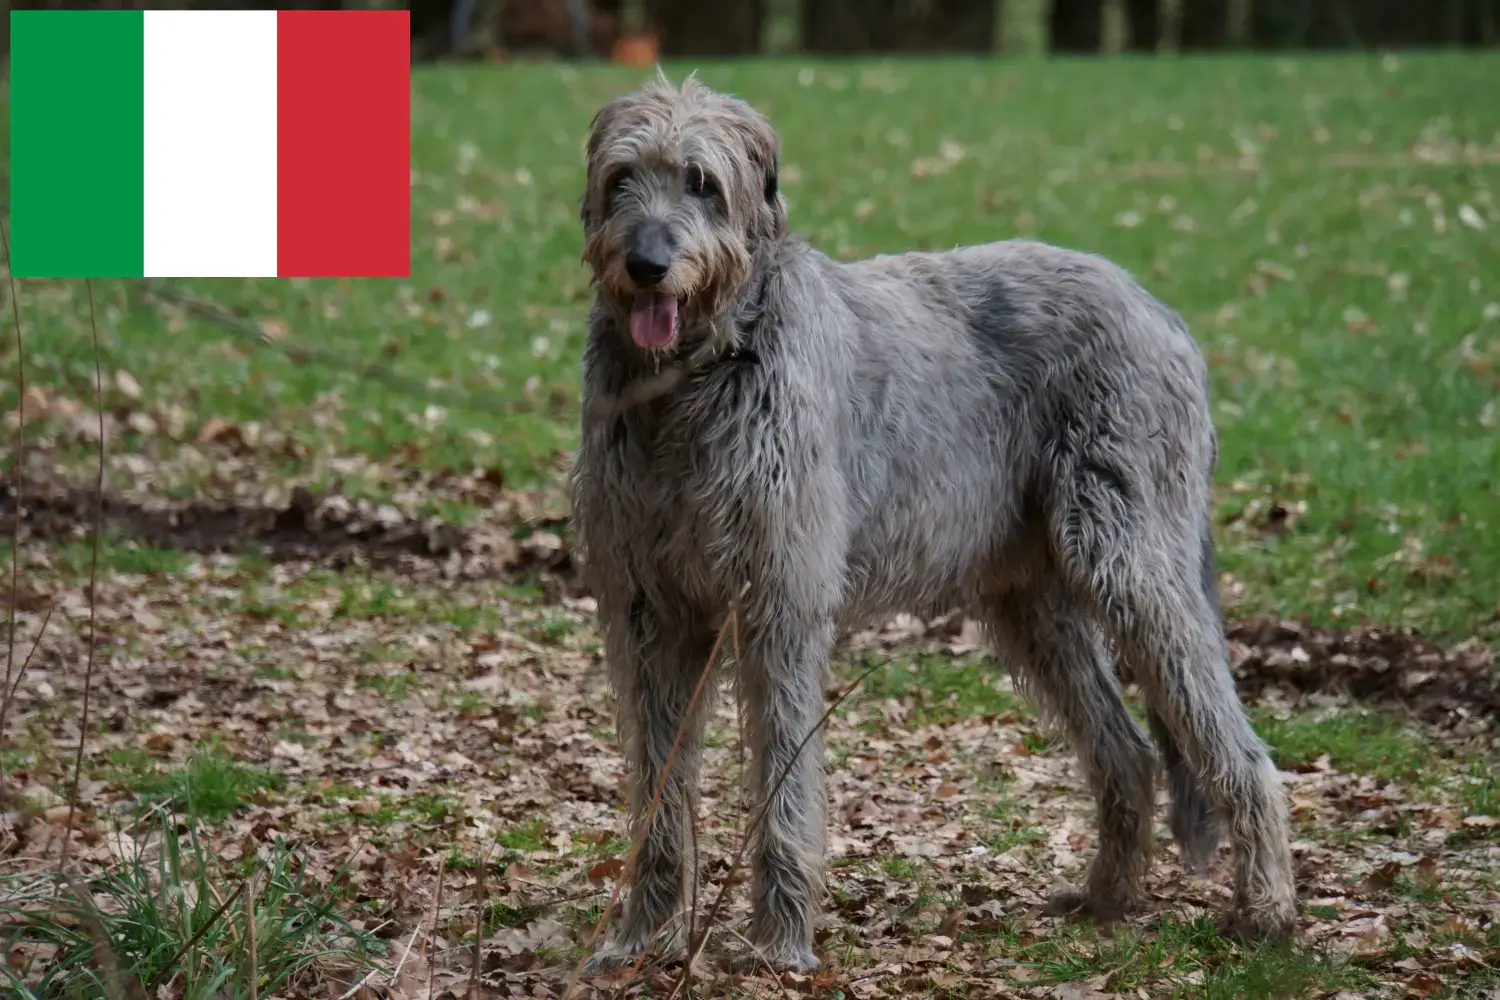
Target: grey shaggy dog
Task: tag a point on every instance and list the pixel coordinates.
(1012, 429)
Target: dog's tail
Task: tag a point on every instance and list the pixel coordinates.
(1194, 824)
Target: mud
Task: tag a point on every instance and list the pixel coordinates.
(1370, 662)
(1374, 663)
(327, 529)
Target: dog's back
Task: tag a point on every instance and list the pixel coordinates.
(972, 375)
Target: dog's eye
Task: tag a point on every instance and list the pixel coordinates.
(699, 184)
(616, 182)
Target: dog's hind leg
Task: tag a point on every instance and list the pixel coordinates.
(1138, 555)
(1057, 654)
(1193, 822)
(1195, 825)
(654, 667)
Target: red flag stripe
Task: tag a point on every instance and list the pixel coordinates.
(343, 143)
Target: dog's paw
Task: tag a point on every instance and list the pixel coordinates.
(607, 957)
(786, 960)
(1252, 925)
(1080, 903)
(1066, 902)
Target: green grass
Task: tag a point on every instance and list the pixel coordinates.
(1481, 788)
(1276, 203)
(392, 687)
(525, 837)
(156, 909)
(902, 868)
(1174, 959)
(211, 785)
(117, 553)
(1381, 746)
(941, 688)
(422, 809)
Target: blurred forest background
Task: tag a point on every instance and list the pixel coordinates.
(637, 29)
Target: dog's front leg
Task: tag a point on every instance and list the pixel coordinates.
(785, 650)
(654, 665)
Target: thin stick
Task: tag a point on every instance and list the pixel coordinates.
(761, 813)
(645, 826)
(484, 900)
(692, 916)
(10, 692)
(761, 956)
(187, 945)
(395, 975)
(396, 972)
(437, 909)
(739, 721)
(251, 975)
(88, 676)
(15, 527)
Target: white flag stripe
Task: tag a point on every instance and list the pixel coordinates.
(210, 130)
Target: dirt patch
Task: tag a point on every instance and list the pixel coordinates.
(1367, 662)
(328, 529)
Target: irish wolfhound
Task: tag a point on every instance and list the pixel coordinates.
(1011, 428)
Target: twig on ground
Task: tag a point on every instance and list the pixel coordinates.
(170, 964)
(88, 675)
(437, 909)
(251, 975)
(661, 784)
(484, 900)
(396, 973)
(754, 950)
(15, 685)
(692, 914)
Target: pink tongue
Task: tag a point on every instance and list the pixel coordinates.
(653, 320)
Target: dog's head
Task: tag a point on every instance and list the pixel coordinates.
(681, 192)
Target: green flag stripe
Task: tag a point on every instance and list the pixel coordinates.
(77, 153)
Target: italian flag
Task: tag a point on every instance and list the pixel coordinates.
(242, 144)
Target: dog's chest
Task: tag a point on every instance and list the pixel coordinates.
(681, 491)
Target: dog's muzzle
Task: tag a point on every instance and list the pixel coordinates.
(650, 255)
(653, 314)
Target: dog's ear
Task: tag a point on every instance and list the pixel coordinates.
(601, 129)
(764, 149)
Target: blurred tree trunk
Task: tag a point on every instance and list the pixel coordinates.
(1313, 24)
(1481, 22)
(1143, 25)
(1396, 23)
(1075, 25)
(962, 25)
(721, 28)
(1204, 25)
(849, 26)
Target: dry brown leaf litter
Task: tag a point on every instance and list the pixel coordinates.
(405, 743)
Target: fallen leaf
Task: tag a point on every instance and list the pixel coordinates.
(1382, 878)
(1423, 984)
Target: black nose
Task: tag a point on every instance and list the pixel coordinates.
(648, 258)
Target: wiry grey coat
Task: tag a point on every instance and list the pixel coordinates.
(1012, 429)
